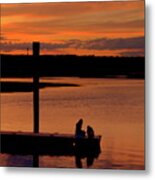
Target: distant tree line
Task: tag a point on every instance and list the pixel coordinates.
(72, 65)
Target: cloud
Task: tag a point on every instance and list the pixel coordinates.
(76, 26)
(115, 44)
(54, 26)
(95, 44)
(114, 25)
(52, 46)
(67, 8)
(133, 53)
(5, 39)
(9, 47)
(43, 18)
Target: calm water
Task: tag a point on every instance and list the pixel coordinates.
(114, 107)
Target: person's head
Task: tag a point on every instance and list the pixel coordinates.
(80, 122)
(88, 127)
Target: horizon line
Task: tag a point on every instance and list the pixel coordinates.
(72, 55)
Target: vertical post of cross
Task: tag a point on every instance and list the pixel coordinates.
(36, 49)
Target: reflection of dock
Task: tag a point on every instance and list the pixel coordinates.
(49, 144)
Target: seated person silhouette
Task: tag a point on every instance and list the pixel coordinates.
(79, 133)
(90, 132)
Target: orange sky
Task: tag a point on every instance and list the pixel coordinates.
(88, 28)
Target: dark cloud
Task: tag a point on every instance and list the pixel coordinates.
(52, 46)
(73, 43)
(115, 44)
(8, 46)
(133, 53)
(96, 44)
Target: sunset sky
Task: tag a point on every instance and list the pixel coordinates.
(87, 28)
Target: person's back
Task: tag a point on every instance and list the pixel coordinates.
(90, 132)
(79, 132)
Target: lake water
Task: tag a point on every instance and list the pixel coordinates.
(113, 107)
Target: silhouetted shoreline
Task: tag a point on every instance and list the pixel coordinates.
(28, 86)
(73, 66)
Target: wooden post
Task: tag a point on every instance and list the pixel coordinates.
(36, 49)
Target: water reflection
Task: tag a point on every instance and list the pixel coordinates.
(89, 155)
(27, 159)
(35, 160)
(10, 160)
(89, 161)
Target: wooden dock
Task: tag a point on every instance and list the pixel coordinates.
(48, 144)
